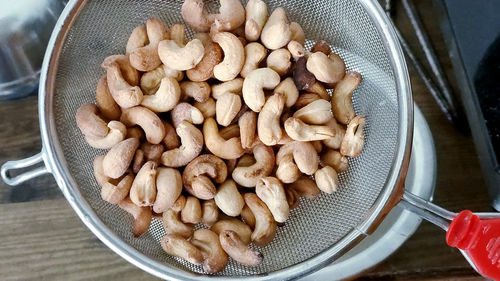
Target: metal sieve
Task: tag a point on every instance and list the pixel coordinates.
(317, 232)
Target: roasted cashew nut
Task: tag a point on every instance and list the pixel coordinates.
(166, 98)
(105, 102)
(181, 58)
(297, 33)
(119, 157)
(169, 188)
(176, 245)
(178, 34)
(354, 138)
(279, 61)
(319, 89)
(215, 259)
(89, 122)
(289, 90)
(305, 156)
(210, 212)
(191, 213)
(301, 76)
(335, 160)
(327, 69)
(276, 32)
(233, 86)
(146, 58)
(194, 14)
(270, 191)
(204, 70)
(226, 108)
(151, 80)
(197, 174)
(192, 144)
(186, 112)
(207, 108)
(342, 107)
(199, 91)
(265, 225)
(171, 139)
(296, 49)
(317, 112)
(254, 55)
(99, 174)
(256, 17)
(305, 99)
(143, 190)
(231, 131)
(327, 179)
(287, 171)
(248, 125)
(114, 193)
(172, 222)
(234, 56)
(238, 250)
(138, 38)
(233, 224)
(335, 141)
(248, 217)
(142, 216)
(292, 198)
(229, 199)
(305, 187)
(268, 122)
(254, 85)
(152, 152)
(147, 120)
(124, 92)
(300, 131)
(231, 15)
(225, 149)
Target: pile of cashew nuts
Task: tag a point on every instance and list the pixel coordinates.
(228, 129)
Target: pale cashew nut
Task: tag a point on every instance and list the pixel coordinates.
(238, 250)
(335, 160)
(254, 55)
(125, 69)
(297, 33)
(99, 174)
(248, 217)
(199, 91)
(233, 224)
(142, 216)
(247, 124)
(192, 144)
(305, 156)
(289, 90)
(166, 98)
(171, 139)
(169, 188)
(146, 58)
(117, 133)
(296, 49)
(276, 32)
(233, 86)
(178, 34)
(207, 108)
(181, 58)
(301, 76)
(317, 112)
(151, 80)
(339, 69)
(226, 108)
(197, 174)
(305, 99)
(270, 191)
(335, 141)
(254, 85)
(191, 213)
(225, 149)
(215, 259)
(186, 112)
(105, 102)
(287, 171)
(268, 122)
(89, 122)
(279, 61)
(194, 14)
(292, 198)
(265, 225)
(126, 95)
(176, 245)
(327, 69)
(327, 179)
(229, 199)
(256, 17)
(114, 193)
(354, 138)
(300, 131)
(204, 70)
(231, 15)
(171, 220)
(231, 131)
(305, 187)
(119, 157)
(138, 38)
(234, 56)
(318, 146)
(147, 120)
(210, 212)
(143, 190)
(342, 107)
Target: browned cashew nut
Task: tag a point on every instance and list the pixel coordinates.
(233, 224)
(125, 94)
(197, 174)
(210, 212)
(301, 76)
(204, 70)
(186, 112)
(247, 124)
(300, 131)
(238, 250)
(142, 216)
(305, 187)
(181, 58)
(248, 217)
(270, 190)
(342, 97)
(321, 46)
(165, 98)
(268, 122)
(317, 112)
(292, 197)
(254, 55)
(146, 58)
(191, 213)
(206, 108)
(249, 176)
(208, 243)
(226, 108)
(143, 190)
(139, 160)
(276, 32)
(354, 138)
(138, 38)
(176, 245)
(152, 152)
(225, 149)
(305, 156)
(334, 159)
(327, 179)
(256, 17)
(319, 89)
(171, 139)
(147, 120)
(234, 56)
(305, 99)
(171, 220)
(192, 144)
(265, 225)
(229, 199)
(199, 91)
(107, 105)
(335, 141)
(114, 193)
(119, 157)
(169, 187)
(89, 122)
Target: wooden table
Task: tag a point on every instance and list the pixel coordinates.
(42, 238)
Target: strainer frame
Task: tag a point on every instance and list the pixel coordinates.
(391, 193)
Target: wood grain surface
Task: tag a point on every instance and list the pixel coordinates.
(41, 238)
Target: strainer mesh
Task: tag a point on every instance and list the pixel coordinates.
(102, 29)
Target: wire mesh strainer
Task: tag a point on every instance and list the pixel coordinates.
(319, 230)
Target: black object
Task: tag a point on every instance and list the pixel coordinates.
(472, 34)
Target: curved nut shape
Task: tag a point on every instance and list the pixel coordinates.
(176, 245)
(248, 125)
(256, 17)
(296, 49)
(354, 138)
(169, 188)
(178, 34)
(207, 108)
(231, 15)
(231, 131)
(268, 122)
(321, 46)
(335, 141)
(139, 160)
(194, 14)
(171, 139)
(191, 213)
(204, 70)
(317, 112)
(197, 172)
(226, 108)
(301, 131)
(305, 187)
(143, 190)
(210, 212)
(326, 69)
(342, 107)
(89, 122)
(199, 91)
(126, 70)
(279, 61)
(305, 99)
(181, 58)
(270, 190)
(225, 149)
(254, 55)
(304, 155)
(99, 175)
(233, 86)
(146, 58)
(292, 198)
(265, 225)
(297, 33)
(186, 112)
(289, 90)
(152, 152)
(171, 220)
(114, 193)
(335, 160)
(238, 250)
(229, 199)
(105, 102)
(254, 85)
(117, 133)
(192, 144)
(248, 217)
(234, 56)
(142, 216)
(301, 76)
(138, 38)
(319, 89)
(151, 80)
(287, 171)
(166, 98)
(327, 179)
(119, 157)
(125, 94)
(239, 227)
(147, 120)
(208, 243)
(276, 32)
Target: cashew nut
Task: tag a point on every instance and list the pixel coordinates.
(105, 102)
(226, 108)
(181, 58)
(152, 152)
(254, 85)
(226, 149)
(147, 120)
(247, 124)
(135, 132)
(228, 198)
(197, 173)
(169, 188)
(138, 161)
(176, 245)
(234, 56)
(256, 17)
(300, 131)
(215, 259)
(89, 122)
(117, 133)
(317, 112)
(327, 179)
(287, 171)
(335, 141)
(143, 190)
(99, 174)
(265, 225)
(301, 76)
(305, 187)
(126, 70)
(119, 157)
(354, 138)
(172, 222)
(186, 112)
(178, 34)
(171, 139)
(125, 94)
(210, 212)
(207, 108)
(150, 81)
(138, 38)
(191, 213)
(142, 216)
(319, 89)
(192, 144)
(318, 146)
(231, 131)
(342, 107)
(146, 58)
(165, 98)
(233, 86)
(270, 190)
(335, 160)
(199, 91)
(231, 15)
(276, 32)
(297, 33)
(254, 55)
(238, 250)
(204, 70)
(248, 217)
(114, 193)
(296, 49)
(233, 224)
(279, 61)
(328, 69)
(321, 46)
(268, 122)
(305, 156)
(305, 99)
(194, 14)
(292, 198)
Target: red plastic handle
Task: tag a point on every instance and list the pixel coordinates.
(480, 239)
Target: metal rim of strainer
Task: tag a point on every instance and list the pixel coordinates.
(54, 158)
